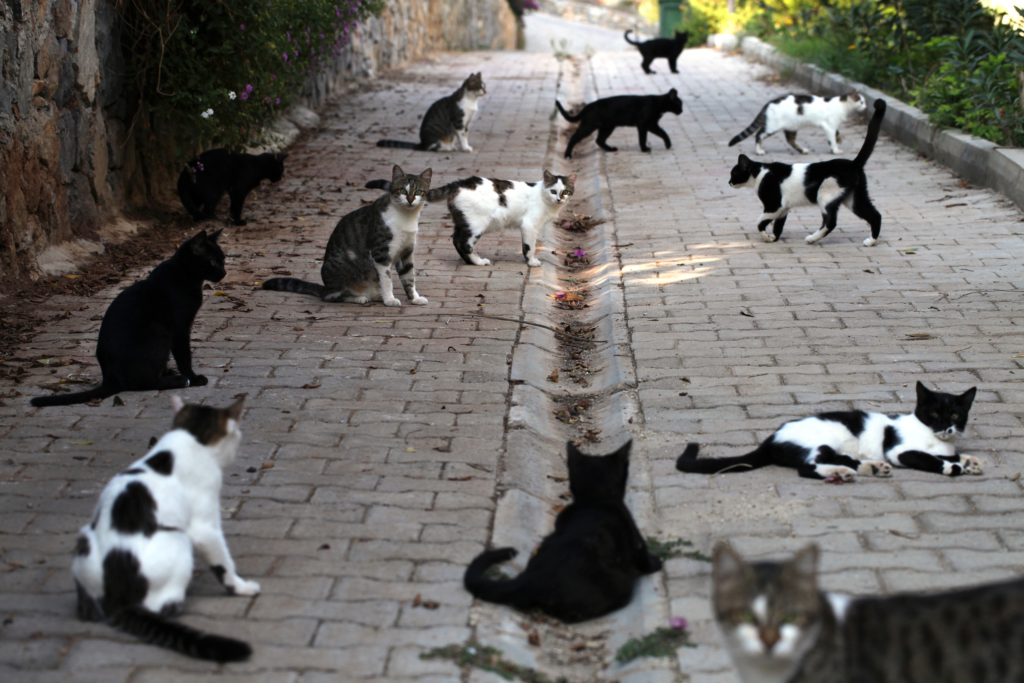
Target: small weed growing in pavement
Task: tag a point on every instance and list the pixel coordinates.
(488, 659)
(561, 49)
(666, 550)
(662, 642)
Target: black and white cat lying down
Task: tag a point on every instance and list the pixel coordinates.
(133, 562)
(838, 446)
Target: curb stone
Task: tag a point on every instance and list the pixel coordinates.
(978, 161)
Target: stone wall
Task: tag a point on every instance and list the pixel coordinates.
(68, 164)
(59, 102)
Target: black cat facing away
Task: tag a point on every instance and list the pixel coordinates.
(669, 48)
(642, 112)
(150, 321)
(216, 171)
(587, 567)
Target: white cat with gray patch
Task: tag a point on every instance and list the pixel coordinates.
(133, 562)
(791, 113)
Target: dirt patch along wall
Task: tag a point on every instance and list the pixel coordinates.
(60, 127)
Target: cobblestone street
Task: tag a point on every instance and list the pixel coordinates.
(384, 448)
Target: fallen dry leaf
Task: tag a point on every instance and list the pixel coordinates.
(553, 377)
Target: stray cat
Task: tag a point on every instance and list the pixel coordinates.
(445, 126)
(587, 567)
(782, 187)
(480, 205)
(640, 111)
(837, 446)
(216, 171)
(366, 244)
(150, 321)
(133, 562)
(780, 628)
(669, 48)
(790, 113)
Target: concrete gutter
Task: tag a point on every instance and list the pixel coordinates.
(978, 161)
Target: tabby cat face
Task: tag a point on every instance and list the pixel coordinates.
(944, 414)
(558, 188)
(216, 428)
(409, 191)
(770, 612)
(475, 85)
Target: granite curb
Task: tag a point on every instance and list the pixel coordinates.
(978, 161)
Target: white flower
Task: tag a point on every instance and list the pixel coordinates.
(207, 114)
(231, 94)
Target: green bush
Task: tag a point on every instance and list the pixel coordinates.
(712, 16)
(216, 72)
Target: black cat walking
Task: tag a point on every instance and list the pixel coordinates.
(642, 112)
(217, 171)
(587, 567)
(669, 48)
(150, 321)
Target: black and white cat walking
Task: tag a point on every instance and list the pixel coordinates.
(133, 562)
(828, 184)
(840, 445)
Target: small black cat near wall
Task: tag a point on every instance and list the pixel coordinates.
(218, 171)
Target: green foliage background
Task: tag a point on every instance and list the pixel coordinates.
(185, 57)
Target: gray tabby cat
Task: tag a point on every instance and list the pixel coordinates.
(445, 126)
(366, 244)
(779, 627)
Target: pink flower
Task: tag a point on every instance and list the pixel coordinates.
(678, 623)
(273, 77)
(241, 26)
(277, 101)
(266, 101)
(248, 88)
(579, 253)
(285, 55)
(245, 96)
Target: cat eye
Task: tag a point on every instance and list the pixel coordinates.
(794, 619)
(954, 416)
(213, 262)
(934, 414)
(744, 617)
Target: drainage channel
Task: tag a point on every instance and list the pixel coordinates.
(578, 386)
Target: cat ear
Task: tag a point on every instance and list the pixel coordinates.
(743, 161)
(427, 175)
(214, 235)
(548, 178)
(197, 241)
(673, 92)
(397, 175)
(571, 180)
(234, 411)
(805, 563)
(177, 403)
(280, 157)
(923, 392)
(727, 564)
(967, 398)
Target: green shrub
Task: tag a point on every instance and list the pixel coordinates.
(215, 72)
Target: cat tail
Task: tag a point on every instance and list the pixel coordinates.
(756, 459)
(631, 42)
(757, 125)
(157, 630)
(379, 184)
(400, 143)
(872, 137)
(501, 591)
(68, 399)
(294, 285)
(565, 114)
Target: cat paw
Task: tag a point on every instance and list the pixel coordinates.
(837, 474)
(767, 236)
(760, 152)
(419, 301)
(815, 237)
(837, 151)
(243, 587)
(467, 148)
(533, 263)
(392, 302)
(875, 468)
(870, 242)
(654, 563)
(198, 381)
(970, 464)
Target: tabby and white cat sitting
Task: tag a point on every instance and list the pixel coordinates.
(366, 244)
(133, 562)
(837, 446)
(780, 628)
(445, 126)
(481, 205)
(790, 113)
(828, 184)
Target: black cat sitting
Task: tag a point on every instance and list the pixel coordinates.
(669, 48)
(588, 566)
(640, 111)
(151, 320)
(217, 171)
